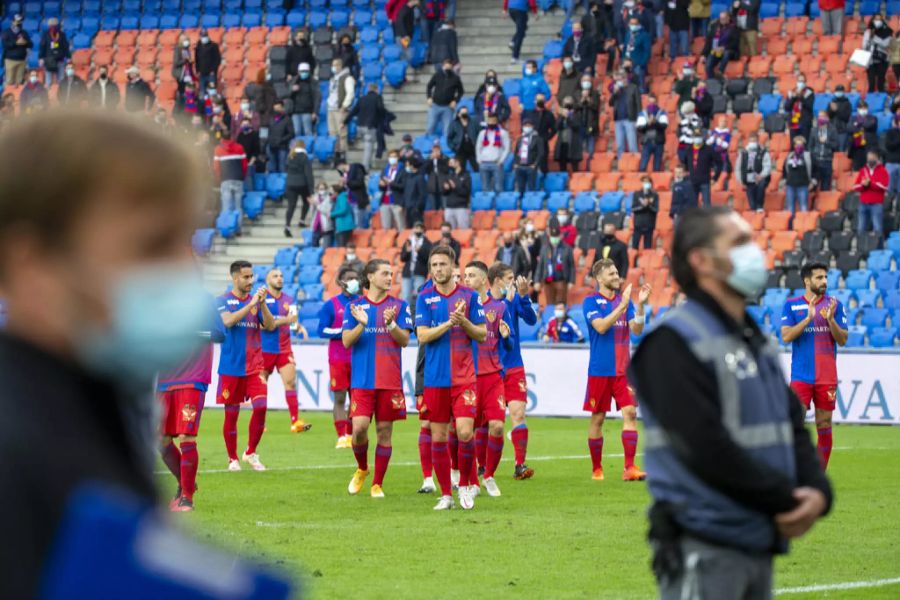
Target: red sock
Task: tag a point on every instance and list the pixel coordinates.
(339, 428)
(629, 444)
(473, 470)
(453, 445)
(823, 445)
(257, 424)
(494, 452)
(466, 457)
(425, 451)
(440, 456)
(382, 458)
(595, 445)
(172, 458)
(229, 430)
(346, 427)
(481, 438)
(520, 443)
(291, 397)
(361, 453)
(189, 460)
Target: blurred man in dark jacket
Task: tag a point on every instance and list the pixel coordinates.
(444, 46)
(436, 168)
(555, 268)
(456, 186)
(462, 135)
(72, 90)
(611, 247)
(369, 111)
(511, 252)
(644, 207)
(208, 58)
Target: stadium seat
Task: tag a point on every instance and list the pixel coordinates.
(286, 256)
(868, 298)
(228, 223)
(874, 317)
(483, 201)
(882, 337)
(858, 279)
(585, 201)
(253, 204)
(558, 182)
(275, 184)
(558, 200)
(887, 281)
(506, 201)
(611, 202)
(533, 201)
(202, 241)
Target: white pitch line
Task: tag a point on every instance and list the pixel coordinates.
(847, 585)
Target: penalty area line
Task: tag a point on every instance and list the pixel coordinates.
(847, 585)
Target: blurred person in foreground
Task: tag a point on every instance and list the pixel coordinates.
(120, 301)
(730, 465)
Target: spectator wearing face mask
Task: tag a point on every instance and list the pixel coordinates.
(611, 247)
(208, 59)
(517, 10)
(456, 187)
(184, 69)
(745, 15)
(877, 40)
(863, 135)
(644, 208)
(679, 23)
(245, 113)
(341, 93)
(281, 132)
(561, 328)
(582, 49)
(754, 170)
(447, 238)
(248, 137)
(34, 95)
(72, 90)
(544, 126)
(298, 184)
(53, 52)
(703, 166)
(823, 143)
(414, 256)
(390, 184)
(444, 45)
(138, 95)
(103, 92)
(461, 137)
(688, 123)
(569, 143)
(299, 52)
(567, 230)
(626, 104)
(306, 98)
(797, 172)
(16, 44)
(443, 91)
(651, 125)
(528, 154)
(798, 106)
(531, 86)
(369, 112)
(839, 113)
(683, 194)
(587, 111)
(412, 179)
(321, 224)
(555, 268)
(491, 149)
(351, 259)
(719, 139)
(631, 8)
(530, 242)
(342, 216)
(872, 182)
(345, 51)
(569, 80)
(492, 101)
(703, 104)
(722, 45)
(637, 50)
(684, 86)
(435, 168)
(512, 253)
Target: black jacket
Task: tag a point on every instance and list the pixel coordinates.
(136, 95)
(250, 142)
(752, 8)
(13, 51)
(305, 96)
(535, 152)
(583, 52)
(730, 38)
(297, 54)
(703, 107)
(569, 85)
(369, 110)
(405, 22)
(444, 45)
(683, 197)
(806, 101)
(521, 263)
(708, 161)
(420, 268)
(501, 107)
(113, 96)
(631, 96)
(644, 217)
(614, 249)
(412, 197)
(892, 145)
(546, 262)
(678, 18)
(434, 170)
(71, 91)
(281, 132)
(207, 57)
(347, 54)
(444, 88)
(53, 56)
(568, 139)
(840, 116)
(357, 185)
(458, 196)
(462, 138)
(299, 171)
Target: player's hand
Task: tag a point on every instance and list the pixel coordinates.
(626, 295)
(504, 329)
(644, 294)
(522, 285)
(811, 505)
(811, 310)
(829, 311)
(389, 315)
(457, 316)
(361, 316)
(258, 297)
(292, 318)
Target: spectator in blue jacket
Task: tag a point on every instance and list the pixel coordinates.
(342, 216)
(16, 43)
(532, 84)
(637, 49)
(683, 194)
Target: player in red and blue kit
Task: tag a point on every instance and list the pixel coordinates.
(815, 325)
(612, 318)
(181, 394)
(448, 318)
(241, 361)
(331, 322)
(276, 345)
(376, 327)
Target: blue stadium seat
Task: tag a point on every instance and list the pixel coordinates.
(893, 244)
(392, 52)
(310, 257)
(887, 281)
(833, 278)
(368, 35)
(395, 73)
(858, 279)
(286, 256)
(228, 223)
(882, 337)
(295, 18)
(867, 8)
(309, 276)
(189, 21)
(339, 19)
(369, 53)
(90, 25)
(585, 201)
(72, 24)
(149, 22)
(759, 313)
(844, 296)
(210, 21)
(80, 41)
(253, 203)
(852, 315)
(879, 260)
(876, 101)
(253, 6)
(202, 241)
(558, 200)
(260, 272)
(372, 72)
(275, 184)
(893, 8)
(821, 102)
(171, 5)
(109, 22)
(90, 8)
(274, 19)
(533, 201)
(874, 317)
(768, 104)
(868, 298)
(767, 11)
(325, 148)
(795, 9)
(251, 20)
(611, 202)
(318, 19)
(884, 122)
(892, 301)
(528, 333)
(362, 17)
(553, 49)
(483, 201)
(855, 339)
(509, 181)
(511, 87)
(507, 201)
(423, 144)
(152, 6)
(168, 21)
(309, 310)
(130, 6)
(556, 182)
(231, 21)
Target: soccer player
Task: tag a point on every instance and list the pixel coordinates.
(276, 345)
(448, 318)
(181, 394)
(376, 328)
(331, 321)
(491, 404)
(612, 316)
(424, 426)
(241, 361)
(815, 324)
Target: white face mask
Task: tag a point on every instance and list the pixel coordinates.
(748, 270)
(186, 44)
(646, 186)
(527, 130)
(70, 72)
(878, 23)
(353, 284)
(245, 106)
(559, 314)
(491, 89)
(863, 112)
(529, 227)
(585, 85)
(351, 256)
(568, 64)
(33, 79)
(563, 219)
(529, 71)
(687, 72)
(392, 160)
(698, 140)
(204, 39)
(801, 85)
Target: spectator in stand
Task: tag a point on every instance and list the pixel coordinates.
(872, 182)
(104, 93)
(720, 141)
(569, 147)
(562, 328)
(863, 135)
(699, 11)
(569, 80)
(684, 86)
(754, 171)
(433, 13)
(823, 143)
(587, 110)
(530, 242)
(797, 172)
(637, 50)
(16, 43)
(621, 19)
(33, 97)
(894, 55)
(444, 90)
(683, 194)
(703, 166)
(832, 12)
(298, 184)
(281, 132)
(626, 104)
(491, 150)
(877, 40)
(456, 186)
(527, 158)
(544, 126)
(531, 86)
(138, 95)
(492, 101)
(687, 125)
(611, 247)
(798, 105)
(414, 190)
(517, 10)
(582, 49)
(745, 14)
(839, 112)
(679, 23)
(322, 225)
(444, 46)
(184, 69)
(72, 89)
(892, 155)
(722, 45)
(390, 185)
(248, 137)
(208, 59)
(703, 104)
(300, 51)
(414, 256)
(53, 52)
(351, 259)
(341, 93)
(436, 168)
(644, 208)
(405, 22)
(447, 239)
(555, 268)
(354, 176)
(510, 252)
(461, 137)
(370, 112)
(567, 229)
(230, 166)
(651, 125)
(245, 113)
(263, 96)
(306, 99)
(342, 216)
(345, 51)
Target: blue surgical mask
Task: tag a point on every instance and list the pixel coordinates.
(748, 270)
(159, 314)
(503, 292)
(353, 286)
(304, 74)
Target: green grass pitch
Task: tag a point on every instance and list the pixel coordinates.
(559, 535)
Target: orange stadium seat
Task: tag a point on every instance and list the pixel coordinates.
(82, 58)
(127, 38)
(795, 26)
(384, 239)
(771, 27)
(827, 201)
(234, 37)
(508, 220)
(629, 162)
(778, 221)
(104, 39)
(255, 36)
(483, 219)
(103, 57)
(607, 182)
(806, 221)
(464, 237)
(166, 90)
(581, 182)
(433, 219)
(466, 255)
(631, 182)
(485, 240)
(602, 162)
(802, 45)
(146, 58)
(783, 241)
(333, 257)
(362, 238)
(810, 66)
(279, 36)
(651, 259)
(776, 47)
(541, 219)
(755, 219)
(749, 123)
(148, 38)
(234, 55)
(662, 182)
(257, 53)
(774, 201)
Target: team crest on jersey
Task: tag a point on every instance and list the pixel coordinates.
(398, 401)
(254, 310)
(490, 315)
(285, 306)
(188, 412)
(459, 304)
(333, 382)
(469, 397)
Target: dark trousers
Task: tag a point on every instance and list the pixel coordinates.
(520, 18)
(756, 194)
(467, 155)
(876, 76)
(292, 194)
(654, 150)
(565, 164)
(823, 172)
(526, 179)
(342, 237)
(556, 292)
(645, 232)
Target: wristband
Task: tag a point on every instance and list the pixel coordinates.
(392, 326)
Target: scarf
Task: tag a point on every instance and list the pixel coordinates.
(796, 109)
(794, 160)
(498, 139)
(489, 102)
(859, 136)
(190, 101)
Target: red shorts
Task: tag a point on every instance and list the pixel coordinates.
(822, 396)
(181, 411)
(277, 361)
(234, 389)
(515, 386)
(601, 390)
(340, 376)
(385, 405)
(459, 401)
(420, 406)
(491, 403)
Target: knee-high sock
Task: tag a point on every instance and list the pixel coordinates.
(172, 458)
(595, 445)
(494, 452)
(290, 397)
(629, 444)
(382, 458)
(440, 456)
(189, 460)
(520, 442)
(361, 453)
(823, 445)
(481, 439)
(473, 470)
(342, 427)
(229, 429)
(453, 445)
(466, 456)
(257, 424)
(425, 451)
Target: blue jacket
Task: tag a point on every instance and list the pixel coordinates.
(529, 87)
(341, 214)
(519, 308)
(683, 197)
(640, 51)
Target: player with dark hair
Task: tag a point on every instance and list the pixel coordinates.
(612, 318)
(331, 321)
(241, 362)
(376, 328)
(815, 324)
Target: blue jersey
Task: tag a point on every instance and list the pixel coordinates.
(610, 351)
(519, 307)
(331, 323)
(278, 341)
(241, 353)
(375, 357)
(450, 359)
(814, 352)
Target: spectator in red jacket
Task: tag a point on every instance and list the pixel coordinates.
(871, 183)
(832, 16)
(566, 227)
(230, 166)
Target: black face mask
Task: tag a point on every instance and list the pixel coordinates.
(540, 104)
